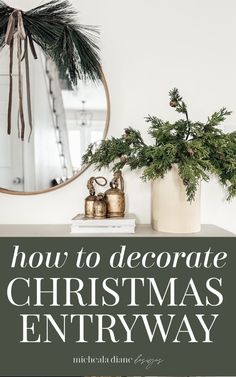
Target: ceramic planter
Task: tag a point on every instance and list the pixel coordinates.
(171, 212)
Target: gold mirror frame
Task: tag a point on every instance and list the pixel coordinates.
(83, 169)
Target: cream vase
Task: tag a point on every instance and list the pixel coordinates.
(171, 212)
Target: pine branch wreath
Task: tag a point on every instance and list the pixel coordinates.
(53, 27)
(199, 150)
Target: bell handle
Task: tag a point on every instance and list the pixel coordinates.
(90, 186)
(122, 186)
(117, 181)
(99, 183)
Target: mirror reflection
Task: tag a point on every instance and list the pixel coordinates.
(65, 122)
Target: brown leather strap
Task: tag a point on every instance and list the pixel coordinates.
(16, 18)
(20, 25)
(28, 90)
(11, 27)
(20, 88)
(32, 48)
(10, 88)
(18, 124)
(31, 43)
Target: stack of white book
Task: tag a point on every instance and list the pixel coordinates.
(83, 225)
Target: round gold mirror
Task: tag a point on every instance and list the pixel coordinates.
(65, 122)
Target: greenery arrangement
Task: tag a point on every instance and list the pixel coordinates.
(199, 150)
(53, 27)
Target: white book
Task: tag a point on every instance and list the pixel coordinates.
(81, 220)
(103, 230)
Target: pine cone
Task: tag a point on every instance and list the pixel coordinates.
(124, 158)
(173, 103)
(185, 181)
(126, 134)
(191, 152)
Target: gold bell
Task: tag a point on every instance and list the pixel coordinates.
(100, 207)
(115, 196)
(90, 200)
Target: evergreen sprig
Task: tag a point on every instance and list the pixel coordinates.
(199, 149)
(218, 117)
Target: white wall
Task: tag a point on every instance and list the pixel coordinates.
(148, 47)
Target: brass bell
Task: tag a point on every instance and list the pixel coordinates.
(115, 196)
(100, 207)
(90, 200)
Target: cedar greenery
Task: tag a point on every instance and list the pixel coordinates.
(52, 26)
(199, 149)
